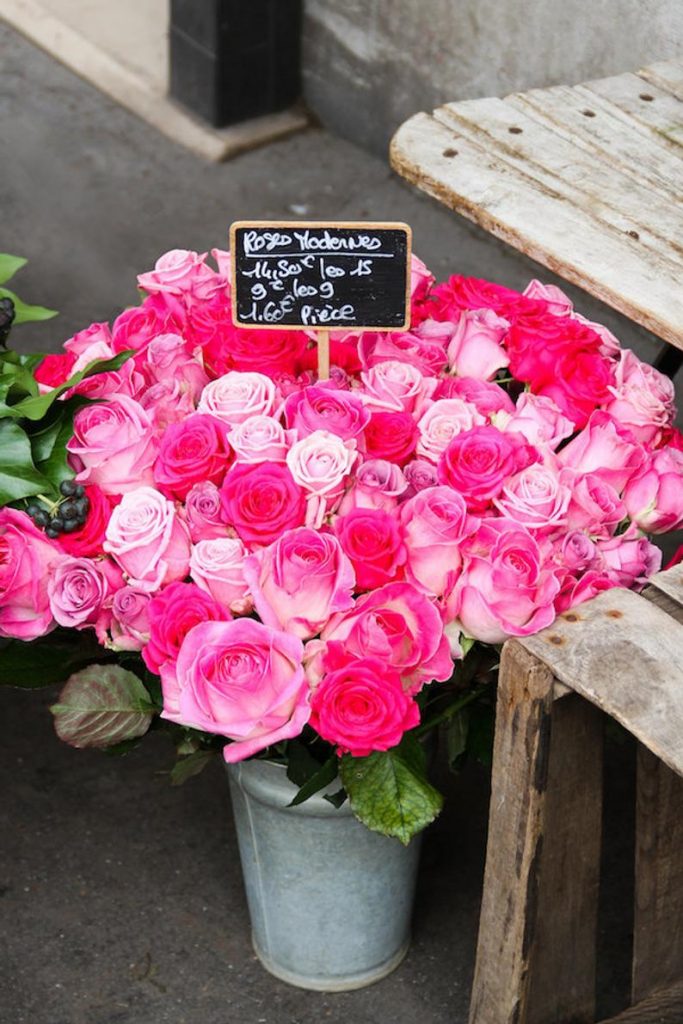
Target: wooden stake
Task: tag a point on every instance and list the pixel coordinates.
(323, 355)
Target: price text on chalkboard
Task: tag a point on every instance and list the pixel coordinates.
(321, 276)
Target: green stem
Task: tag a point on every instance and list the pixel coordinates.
(448, 713)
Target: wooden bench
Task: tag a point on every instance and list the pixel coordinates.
(621, 654)
(585, 180)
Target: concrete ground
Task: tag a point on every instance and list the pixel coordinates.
(122, 896)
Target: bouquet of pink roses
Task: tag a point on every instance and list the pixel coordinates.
(224, 545)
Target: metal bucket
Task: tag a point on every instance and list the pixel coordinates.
(330, 901)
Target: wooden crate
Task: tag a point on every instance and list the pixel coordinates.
(621, 654)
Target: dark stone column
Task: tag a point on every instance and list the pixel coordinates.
(235, 59)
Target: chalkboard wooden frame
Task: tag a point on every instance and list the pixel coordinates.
(320, 225)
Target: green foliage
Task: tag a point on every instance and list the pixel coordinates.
(389, 790)
(23, 312)
(19, 477)
(102, 706)
(187, 767)
(326, 774)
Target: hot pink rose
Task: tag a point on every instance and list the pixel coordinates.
(227, 347)
(135, 327)
(261, 439)
(300, 581)
(217, 566)
(191, 451)
(372, 540)
(401, 627)
(654, 495)
(505, 588)
(435, 523)
(475, 349)
(595, 506)
(114, 444)
(234, 397)
(27, 558)
(394, 386)
(129, 627)
(392, 436)
(81, 592)
(53, 370)
(444, 420)
(644, 400)
(479, 462)
(538, 419)
(378, 484)
(360, 704)
(630, 558)
(536, 498)
(204, 512)
(262, 501)
(460, 293)
(605, 448)
(148, 540)
(88, 540)
(322, 407)
(172, 613)
(242, 680)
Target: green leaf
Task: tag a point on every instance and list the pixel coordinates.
(101, 706)
(19, 477)
(456, 737)
(48, 442)
(301, 764)
(9, 266)
(186, 767)
(323, 777)
(481, 732)
(49, 659)
(336, 799)
(23, 312)
(34, 408)
(389, 791)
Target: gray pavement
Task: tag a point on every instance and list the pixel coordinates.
(122, 896)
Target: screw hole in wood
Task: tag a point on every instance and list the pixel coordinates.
(588, 113)
(514, 130)
(646, 96)
(634, 234)
(450, 152)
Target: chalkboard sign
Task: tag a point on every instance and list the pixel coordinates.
(320, 276)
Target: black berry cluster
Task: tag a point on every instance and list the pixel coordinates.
(63, 516)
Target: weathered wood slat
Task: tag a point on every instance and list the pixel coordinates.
(649, 106)
(666, 75)
(658, 917)
(664, 1007)
(666, 591)
(591, 181)
(543, 224)
(624, 655)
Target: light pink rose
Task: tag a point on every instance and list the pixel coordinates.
(557, 302)
(606, 448)
(176, 272)
(129, 628)
(536, 498)
(538, 418)
(394, 386)
(27, 559)
(169, 360)
(81, 592)
(261, 439)
(323, 406)
(421, 279)
(442, 421)
(300, 581)
(400, 625)
(505, 587)
(377, 484)
(217, 567)
(320, 465)
(435, 523)
(475, 349)
(167, 403)
(204, 512)
(609, 345)
(242, 680)
(114, 445)
(415, 347)
(630, 558)
(576, 552)
(644, 400)
(82, 340)
(654, 496)
(575, 592)
(595, 506)
(236, 396)
(489, 398)
(148, 540)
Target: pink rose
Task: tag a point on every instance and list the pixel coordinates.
(81, 592)
(605, 448)
(644, 400)
(488, 398)
(654, 495)
(261, 439)
(27, 558)
(394, 386)
(320, 464)
(444, 420)
(575, 592)
(191, 451)
(169, 360)
(609, 345)
(630, 558)
(172, 613)
(114, 445)
(420, 474)
(505, 588)
(416, 348)
(242, 680)
(236, 396)
(204, 512)
(227, 347)
(595, 506)
(217, 567)
(460, 293)
(556, 301)
(378, 484)
(82, 340)
(167, 403)
(401, 627)
(360, 705)
(536, 498)
(148, 540)
(129, 627)
(435, 523)
(475, 349)
(88, 540)
(300, 581)
(479, 462)
(158, 314)
(372, 540)
(176, 272)
(322, 407)
(392, 436)
(576, 552)
(421, 279)
(262, 501)
(538, 419)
